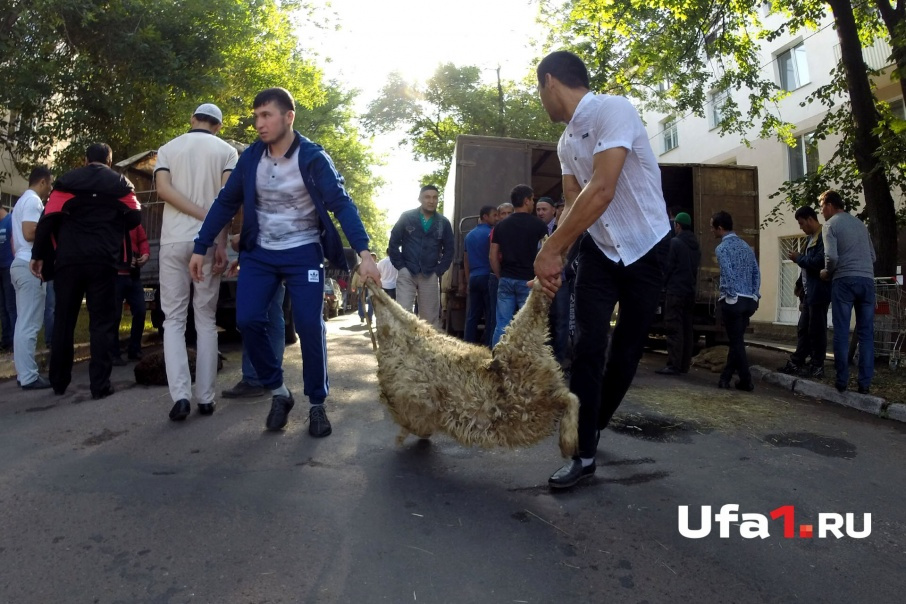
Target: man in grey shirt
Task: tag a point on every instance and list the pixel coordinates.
(849, 261)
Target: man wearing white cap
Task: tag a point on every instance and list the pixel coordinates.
(191, 169)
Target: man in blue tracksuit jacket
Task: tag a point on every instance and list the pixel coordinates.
(286, 185)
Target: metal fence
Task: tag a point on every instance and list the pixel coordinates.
(890, 320)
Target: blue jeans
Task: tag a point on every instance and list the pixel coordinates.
(491, 327)
(477, 307)
(362, 309)
(859, 293)
(7, 309)
(511, 295)
(276, 334)
(262, 271)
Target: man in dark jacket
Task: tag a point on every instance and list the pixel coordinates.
(812, 330)
(681, 271)
(89, 215)
(421, 249)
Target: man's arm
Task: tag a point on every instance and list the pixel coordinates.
(447, 258)
(168, 193)
(571, 190)
(494, 259)
(830, 249)
(222, 211)
(588, 206)
(28, 230)
(396, 240)
(726, 274)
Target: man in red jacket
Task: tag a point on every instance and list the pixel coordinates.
(82, 235)
(129, 288)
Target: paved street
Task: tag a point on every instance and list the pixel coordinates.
(108, 501)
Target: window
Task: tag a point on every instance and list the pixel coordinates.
(718, 101)
(671, 136)
(788, 309)
(803, 157)
(793, 67)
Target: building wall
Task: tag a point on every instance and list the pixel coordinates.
(700, 142)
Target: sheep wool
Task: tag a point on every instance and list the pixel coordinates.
(509, 397)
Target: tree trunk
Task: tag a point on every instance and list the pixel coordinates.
(879, 206)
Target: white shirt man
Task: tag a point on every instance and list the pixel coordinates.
(611, 182)
(388, 276)
(191, 169)
(30, 291)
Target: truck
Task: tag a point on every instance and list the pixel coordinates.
(484, 169)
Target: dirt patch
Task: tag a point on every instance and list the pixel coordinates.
(656, 427)
(822, 445)
(704, 409)
(101, 438)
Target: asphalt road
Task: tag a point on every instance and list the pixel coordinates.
(108, 501)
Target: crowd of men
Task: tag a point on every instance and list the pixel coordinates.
(609, 241)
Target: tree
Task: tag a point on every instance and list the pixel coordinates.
(456, 101)
(130, 72)
(715, 46)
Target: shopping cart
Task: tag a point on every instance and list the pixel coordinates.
(890, 322)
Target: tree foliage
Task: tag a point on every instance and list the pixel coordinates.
(130, 73)
(456, 101)
(716, 46)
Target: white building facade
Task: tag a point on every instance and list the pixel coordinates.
(799, 63)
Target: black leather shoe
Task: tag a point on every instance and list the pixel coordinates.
(102, 393)
(668, 370)
(206, 408)
(570, 474)
(318, 424)
(279, 414)
(39, 383)
(180, 410)
(840, 387)
(745, 386)
(723, 384)
(135, 356)
(243, 390)
(864, 390)
(119, 362)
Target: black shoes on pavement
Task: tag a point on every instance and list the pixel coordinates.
(243, 390)
(318, 424)
(180, 410)
(39, 383)
(745, 386)
(790, 368)
(570, 474)
(279, 414)
(668, 370)
(864, 390)
(120, 362)
(104, 393)
(723, 384)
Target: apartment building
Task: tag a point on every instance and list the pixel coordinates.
(800, 64)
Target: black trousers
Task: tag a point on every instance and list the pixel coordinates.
(678, 314)
(97, 284)
(811, 335)
(601, 381)
(736, 320)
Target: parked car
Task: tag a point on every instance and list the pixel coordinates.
(332, 298)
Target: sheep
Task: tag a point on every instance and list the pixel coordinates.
(511, 396)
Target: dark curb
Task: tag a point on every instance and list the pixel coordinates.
(867, 403)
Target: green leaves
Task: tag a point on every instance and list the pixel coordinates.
(456, 100)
